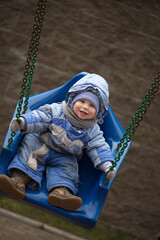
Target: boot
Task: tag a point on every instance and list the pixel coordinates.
(14, 186)
(61, 197)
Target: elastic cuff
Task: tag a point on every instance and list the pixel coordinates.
(104, 166)
(22, 123)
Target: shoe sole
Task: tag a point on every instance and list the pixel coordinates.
(9, 188)
(68, 203)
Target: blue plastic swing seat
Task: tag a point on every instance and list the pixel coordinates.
(92, 189)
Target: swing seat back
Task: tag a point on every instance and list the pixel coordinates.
(91, 189)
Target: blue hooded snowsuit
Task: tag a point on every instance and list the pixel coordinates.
(53, 144)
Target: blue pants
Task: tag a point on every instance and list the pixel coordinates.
(34, 157)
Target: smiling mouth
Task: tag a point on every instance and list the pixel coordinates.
(84, 113)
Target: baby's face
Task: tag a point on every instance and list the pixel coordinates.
(84, 109)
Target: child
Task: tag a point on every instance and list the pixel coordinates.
(56, 136)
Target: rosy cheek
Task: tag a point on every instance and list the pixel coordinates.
(75, 108)
(93, 111)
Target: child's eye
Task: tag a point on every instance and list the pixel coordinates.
(82, 101)
(92, 106)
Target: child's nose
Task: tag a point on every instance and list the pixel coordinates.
(85, 105)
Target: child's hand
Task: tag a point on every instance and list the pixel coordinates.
(106, 167)
(15, 126)
(110, 175)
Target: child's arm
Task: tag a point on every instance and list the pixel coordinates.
(100, 153)
(35, 121)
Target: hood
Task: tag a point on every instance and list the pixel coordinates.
(97, 85)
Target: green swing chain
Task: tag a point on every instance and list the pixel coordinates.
(30, 63)
(127, 137)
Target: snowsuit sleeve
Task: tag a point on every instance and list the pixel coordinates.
(98, 149)
(38, 120)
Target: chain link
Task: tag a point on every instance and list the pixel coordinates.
(127, 137)
(30, 63)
